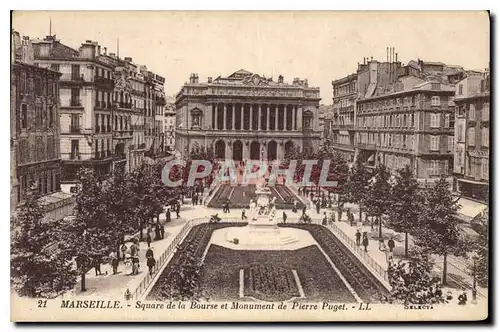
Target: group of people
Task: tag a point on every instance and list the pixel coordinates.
(364, 242)
(225, 207)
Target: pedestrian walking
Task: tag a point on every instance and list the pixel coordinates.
(114, 262)
(332, 217)
(167, 216)
(227, 207)
(358, 238)
(340, 213)
(318, 206)
(162, 231)
(325, 219)
(178, 210)
(391, 244)
(294, 209)
(304, 210)
(124, 250)
(97, 266)
(243, 215)
(148, 239)
(365, 241)
(150, 260)
(284, 217)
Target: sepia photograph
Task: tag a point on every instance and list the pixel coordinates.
(249, 166)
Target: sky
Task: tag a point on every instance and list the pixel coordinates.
(318, 45)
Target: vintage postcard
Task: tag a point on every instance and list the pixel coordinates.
(249, 166)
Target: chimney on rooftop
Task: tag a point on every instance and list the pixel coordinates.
(105, 50)
(280, 79)
(128, 59)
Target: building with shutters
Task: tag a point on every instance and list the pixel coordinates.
(35, 133)
(472, 135)
(247, 116)
(413, 125)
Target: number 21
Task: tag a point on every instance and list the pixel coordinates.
(42, 303)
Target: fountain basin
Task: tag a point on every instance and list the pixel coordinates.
(262, 237)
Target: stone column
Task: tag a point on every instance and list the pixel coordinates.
(259, 124)
(241, 115)
(268, 114)
(299, 118)
(276, 113)
(294, 112)
(233, 112)
(225, 118)
(286, 117)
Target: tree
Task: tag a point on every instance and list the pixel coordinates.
(341, 172)
(437, 226)
(118, 198)
(412, 281)
(478, 267)
(90, 235)
(406, 203)
(39, 266)
(378, 198)
(357, 185)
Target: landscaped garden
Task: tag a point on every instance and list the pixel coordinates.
(240, 196)
(267, 275)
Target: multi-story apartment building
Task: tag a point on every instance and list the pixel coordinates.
(472, 135)
(157, 146)
(371, 78)
(412, 125)
(86, 103)
(35, 134)
(107, 107)
(169, 123)
(247, 116)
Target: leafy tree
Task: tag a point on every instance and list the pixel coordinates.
(406, 203)
(145, 202)
(118, 198)
(478, 267)
(437, 227)
(357, 185)
(412, 281)
(341, 172)
(378, 198)
(39, 266)
(90, 235)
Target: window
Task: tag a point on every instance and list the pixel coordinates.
(434, 169)
(38, 86)
(51, 116)
(413, 120)
(22, 83)
(435, 117)
(460, 89)
(486, 112)
(451, 142)
(472, 112)
(24, 116)
(75, 97)
(75, 123)
(485, 137)
(471, 137)
(54, 66)
(434, 143)
(485, 168)
(435, 101)
(398, 101)
(447, 121)
(452, 121)
(446, 167)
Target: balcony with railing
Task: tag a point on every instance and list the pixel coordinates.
(73, 103)
(123, 133)
(106, 82)
(75, 78)
(75, 129)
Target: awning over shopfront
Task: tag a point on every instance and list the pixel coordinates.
(469, 209)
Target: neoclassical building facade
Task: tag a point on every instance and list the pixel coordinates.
(246, 116)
